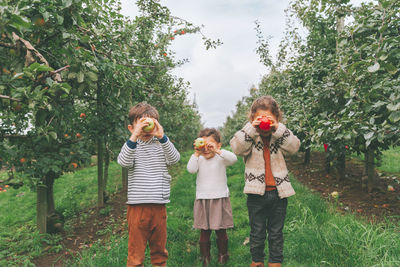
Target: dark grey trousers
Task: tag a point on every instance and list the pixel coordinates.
(266, 213)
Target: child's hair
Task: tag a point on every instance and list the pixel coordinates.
(142, 110)
(211, 132)
(265, 103)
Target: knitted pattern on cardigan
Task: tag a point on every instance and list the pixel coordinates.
(248, 143)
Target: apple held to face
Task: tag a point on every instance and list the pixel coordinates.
(265, 124)
(199, 143)
(150, 125)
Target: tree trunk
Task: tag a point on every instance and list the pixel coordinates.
(106, 165)
(327, 163)
(307, 156)
(50, 194)
(100, 178)
(41, 208)
(370, 169)
(341, 167)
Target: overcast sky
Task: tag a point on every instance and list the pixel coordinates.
(220, 77)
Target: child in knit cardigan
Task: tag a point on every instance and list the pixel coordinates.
(212, 207)
(262, 142)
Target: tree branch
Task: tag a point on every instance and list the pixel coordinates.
(30, 49)
(7, 45)
(9, 97)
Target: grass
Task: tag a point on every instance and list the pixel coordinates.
(19, 239)
(315, 235)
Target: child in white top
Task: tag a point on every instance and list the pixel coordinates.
(212, 207)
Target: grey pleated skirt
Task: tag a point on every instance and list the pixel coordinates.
(212, 214)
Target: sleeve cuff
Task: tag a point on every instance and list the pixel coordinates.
(250, 130)
(131, 144)
(279, 131)
(163, 140)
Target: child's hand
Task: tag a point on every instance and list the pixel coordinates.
(197, 151)
(274, 123)
(138, 129)
(213, 148)
(158, 130)
(256, 121)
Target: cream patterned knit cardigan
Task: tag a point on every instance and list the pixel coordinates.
(248, 143)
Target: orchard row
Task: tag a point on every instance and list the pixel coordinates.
(70, 71)
(339, 85)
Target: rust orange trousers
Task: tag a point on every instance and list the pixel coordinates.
(147, 223)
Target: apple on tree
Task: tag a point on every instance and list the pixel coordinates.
(150, 125)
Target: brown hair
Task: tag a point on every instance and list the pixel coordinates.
(211, 132)
(142, 110)
(265, 103)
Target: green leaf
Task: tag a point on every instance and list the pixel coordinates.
(43, 68)
(66, 35)
(369, 135)
(384, 3)
(374, 67)
(20, 22)
(46, 16)
(92, 76)
(392, 107)
(66, 87)
(80, 77)
(49, 81)
(394, 116)
(60, 19)
(67, 3)
(390, 68)
(71, 75)
(53, 135)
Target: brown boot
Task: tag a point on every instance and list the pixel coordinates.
(223, 255)
(205, 252)
(257, 264)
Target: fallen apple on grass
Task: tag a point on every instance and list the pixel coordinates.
(199, 143)
(390, 188)
(335, 194)
(150, 125)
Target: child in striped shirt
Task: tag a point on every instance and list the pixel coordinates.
(146, 155)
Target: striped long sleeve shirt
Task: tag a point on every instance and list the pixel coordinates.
(148, 177)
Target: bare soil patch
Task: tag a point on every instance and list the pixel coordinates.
(378, 206)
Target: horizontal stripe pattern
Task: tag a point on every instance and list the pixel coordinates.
(147, 164)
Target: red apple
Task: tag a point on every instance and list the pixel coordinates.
(150, 125)
(199, 143)
(326, 147)
(22, 160)
(265, 124)
(78, 135)
(83, 115)
(182, 32)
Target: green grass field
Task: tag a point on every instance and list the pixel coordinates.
(315, 235)
(73, 192)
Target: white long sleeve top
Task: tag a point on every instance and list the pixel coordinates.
(211, 181)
